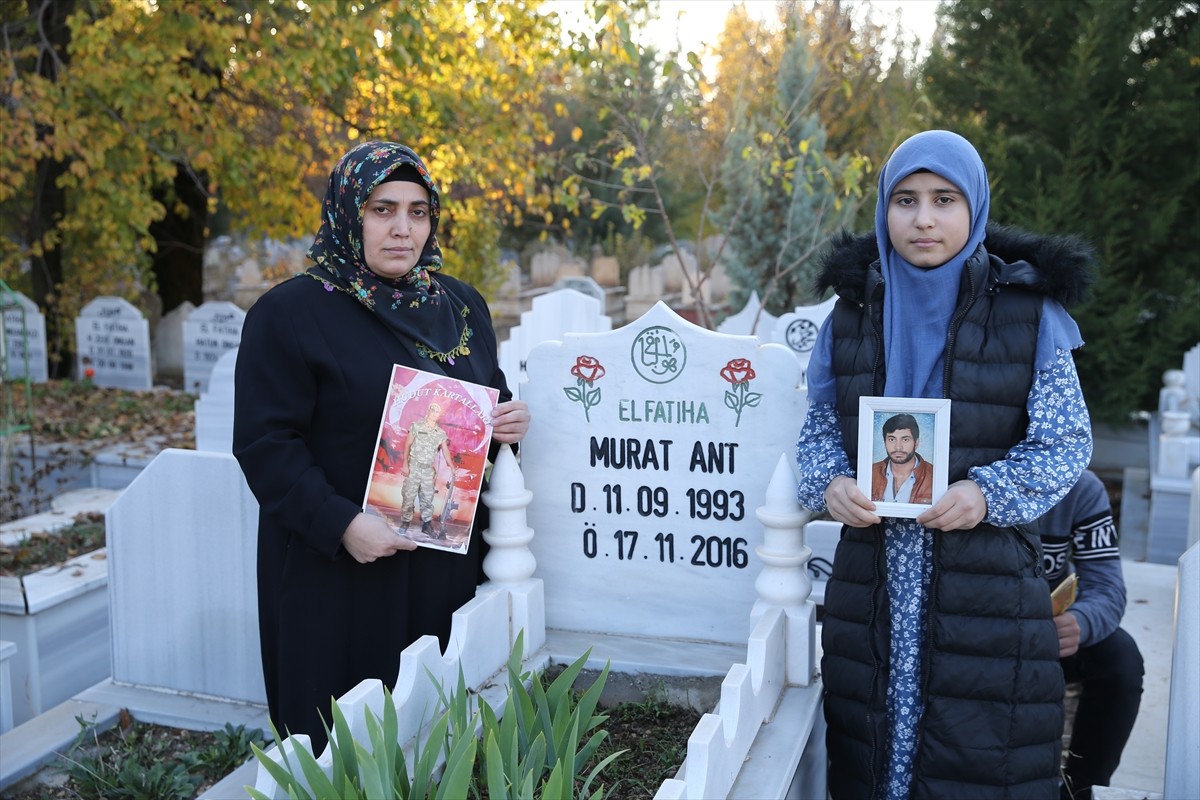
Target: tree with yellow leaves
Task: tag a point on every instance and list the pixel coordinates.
(127, 124)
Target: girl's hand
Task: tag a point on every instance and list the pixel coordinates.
(848, 505)
(510, 421)
(961, 508)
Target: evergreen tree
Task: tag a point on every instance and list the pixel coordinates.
(1085, 112)
(782, 201)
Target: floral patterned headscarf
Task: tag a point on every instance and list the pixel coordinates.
(416, 307)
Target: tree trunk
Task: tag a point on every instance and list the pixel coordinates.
(49, 200)
(179, 261)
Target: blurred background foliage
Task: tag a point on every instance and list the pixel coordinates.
(134, 131)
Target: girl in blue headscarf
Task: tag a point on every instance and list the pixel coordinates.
(940, 656)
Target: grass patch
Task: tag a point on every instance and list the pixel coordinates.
(78, 411)
(140, 761)
(43, 550)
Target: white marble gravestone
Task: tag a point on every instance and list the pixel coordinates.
(651, 447)
(550, 316)
(647, 286)
(214, 407)
(583, 285)
(25, 338)
(168, 341)
(1191, 371)
(209, 332)
(181, 551)
(798, 328)
(752, 319)
(112, 338)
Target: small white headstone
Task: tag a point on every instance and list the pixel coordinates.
(752, 319)
(25, 338)
(168, 341)
(209, 332)
(798, 329)
(214, 408)
(651, 448)
(583, 285)
(112, 339)
(551, 315)
(1191, 369)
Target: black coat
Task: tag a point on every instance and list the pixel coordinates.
(990, 678)
(312, 373)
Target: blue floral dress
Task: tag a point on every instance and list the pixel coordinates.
(1035, 475)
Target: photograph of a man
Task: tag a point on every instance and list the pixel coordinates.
(902, 476)
(425, 439)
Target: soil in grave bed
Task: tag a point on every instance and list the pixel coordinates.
(139, 760)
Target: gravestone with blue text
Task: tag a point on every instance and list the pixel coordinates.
(112, 344)
(209, 332)
(798, 328)
(650, 450)
(24, 337)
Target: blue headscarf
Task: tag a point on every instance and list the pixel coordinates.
(918, 302)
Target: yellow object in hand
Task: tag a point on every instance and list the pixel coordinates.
(1064, 594)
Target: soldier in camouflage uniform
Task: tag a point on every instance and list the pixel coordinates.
(425, 439)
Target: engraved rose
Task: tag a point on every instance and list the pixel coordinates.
(739, 373)
(587, 370)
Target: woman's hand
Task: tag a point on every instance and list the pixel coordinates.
(368, 537)
(510, 421)
(961, 508)
(848, 505)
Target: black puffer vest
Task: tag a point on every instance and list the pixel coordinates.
(990, 677)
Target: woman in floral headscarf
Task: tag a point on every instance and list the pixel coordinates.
(340, 594)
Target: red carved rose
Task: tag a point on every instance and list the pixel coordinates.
(587, 369)
(738, 370)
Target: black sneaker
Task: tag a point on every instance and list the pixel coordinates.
(426, 527)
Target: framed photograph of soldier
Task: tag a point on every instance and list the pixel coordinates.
(903, 453)
(430, 457)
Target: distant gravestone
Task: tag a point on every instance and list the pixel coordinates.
(752, 319)
(583, 285)
(543, 267)
(798, 329)
(24, 338)
(112, 340)
(653, 446)
(214, 407)
(552, 314)
(168, 341)
(646, 287)
(209, 332)
(1191, 371)
(606, 270)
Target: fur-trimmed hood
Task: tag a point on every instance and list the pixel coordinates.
(1062, 267)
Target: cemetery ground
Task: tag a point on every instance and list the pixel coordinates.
(136, 759)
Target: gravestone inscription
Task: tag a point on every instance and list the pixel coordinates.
(25, 338)
(652, 447)
(112, 343)
(209, 332)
